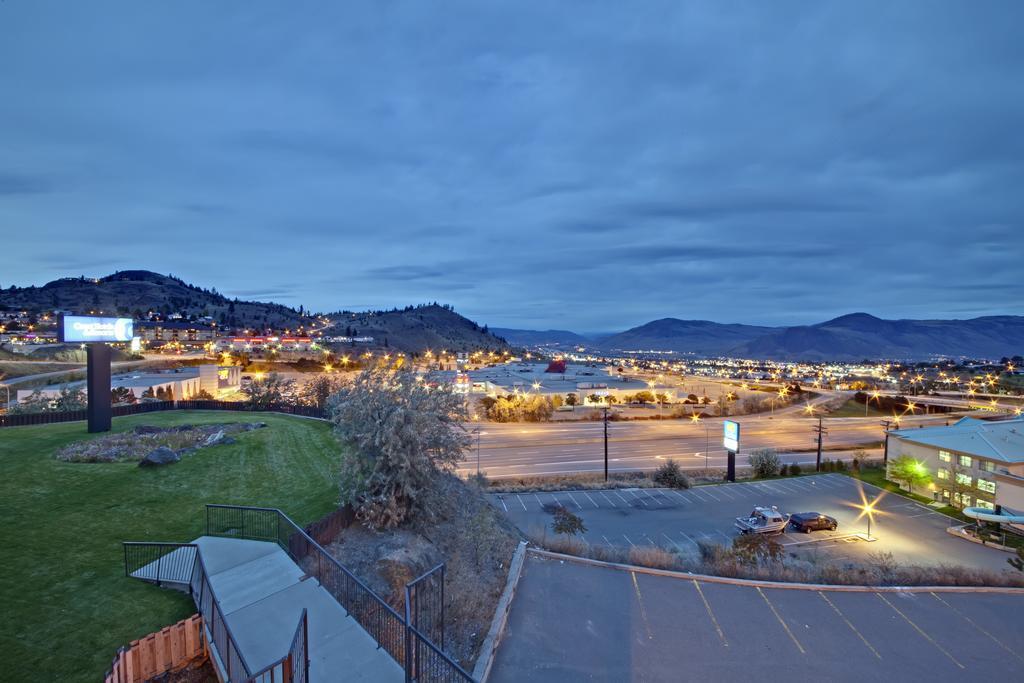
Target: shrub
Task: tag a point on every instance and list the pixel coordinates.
(840, 465)
(670, 474)
(567, 523)
(765, 462)
(795, 470)
(754, 549)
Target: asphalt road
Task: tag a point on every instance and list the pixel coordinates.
(677, 520)
(511, 450)
(572, 622)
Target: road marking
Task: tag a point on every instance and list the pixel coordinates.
(728, 493)
(695, 544)
(606, 540)
(674, 544)
(852, 627)
(975, 625)
(717, 499)
(610, 501)
(682, 496)
(591, 499)
(574, 500)
(621, 497)
(502, 501)
(643, 610)
(520, 501)
(650, 540)
(628, 541)
(539, 501)
(779, 617)
(699, 495)
(920, 630)
(711, 614)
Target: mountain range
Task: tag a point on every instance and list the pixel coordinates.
(855, 336)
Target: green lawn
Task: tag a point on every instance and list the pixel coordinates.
(876, 477)
(853, 409)
(67, 605)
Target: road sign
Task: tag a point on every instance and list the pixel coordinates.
(731, 435)
(90, 329)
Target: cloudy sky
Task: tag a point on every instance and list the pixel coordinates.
(578, 165)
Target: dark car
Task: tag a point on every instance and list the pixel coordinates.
(813, 521)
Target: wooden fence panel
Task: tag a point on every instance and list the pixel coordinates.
(172, 647)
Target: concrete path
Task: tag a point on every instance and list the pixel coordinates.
(263, 593)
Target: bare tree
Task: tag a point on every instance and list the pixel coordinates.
(400, 431)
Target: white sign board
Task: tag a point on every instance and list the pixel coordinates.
(731, 435)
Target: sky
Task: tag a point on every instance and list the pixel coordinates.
(574, 165)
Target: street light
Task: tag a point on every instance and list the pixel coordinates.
(868, 510)
(476, 430)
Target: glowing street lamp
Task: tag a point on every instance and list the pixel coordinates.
(868, 510)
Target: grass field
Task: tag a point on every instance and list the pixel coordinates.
(876, 477)
(853, 409)
(67, 605)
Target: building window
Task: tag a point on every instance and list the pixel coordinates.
(986, 485)
(944, 456)
(985, 504)
(987, 465)
(943, 473)
(963, 479)
(964, 500)
(945, 493)
(964, 460)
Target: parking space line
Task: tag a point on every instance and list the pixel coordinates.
(628, 541)
(778, 616)
(975, 625)
(921, 631)
(590, 499)
(699, 495)
(711, 614)
(521, 501)
(785, 486)
(606, 540)
(643, 610)
(681, 496)
(695, 544)
(621, 497)
(574, 500)
(610, 501)
(650, 540)
(712, 495)
(539, 501)
(673, 543)
(502, 501)
(852, 627)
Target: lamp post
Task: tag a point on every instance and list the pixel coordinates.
(605, 409)
(476, 430)
(869, 512)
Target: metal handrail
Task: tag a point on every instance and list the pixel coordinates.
(204, 578)
(289, 672)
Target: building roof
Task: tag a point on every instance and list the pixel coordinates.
(1002, 441)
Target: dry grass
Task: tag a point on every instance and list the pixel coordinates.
(714, 560)
(595, 480)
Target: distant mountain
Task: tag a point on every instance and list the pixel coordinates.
(859, 335)
(700, 337)
(534, 338)
(417, 328)
(136, 293)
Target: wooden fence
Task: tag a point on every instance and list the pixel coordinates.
(169, 649)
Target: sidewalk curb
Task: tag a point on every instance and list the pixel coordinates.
(757, 583)
(959, 533)
(490, 645)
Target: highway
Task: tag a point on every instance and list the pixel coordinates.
(513, 450)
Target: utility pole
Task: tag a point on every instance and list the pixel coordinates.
(605, 443)
(885, 453)
(821, 431)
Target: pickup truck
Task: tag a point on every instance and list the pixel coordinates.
(763, 520)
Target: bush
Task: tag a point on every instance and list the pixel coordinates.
(795, 470)
(671, 475)
(765, 462)
(567, 523)
(840, 465)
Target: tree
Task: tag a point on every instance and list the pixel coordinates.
(122, 395)
(643, 397)
(316, 391)
(909, 471)
(399, 433)
(567, 523)
(765, 462)
(571, 399)
(670, 474)
(272, 389)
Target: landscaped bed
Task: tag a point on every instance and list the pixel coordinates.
(142, 440)
(67, 604)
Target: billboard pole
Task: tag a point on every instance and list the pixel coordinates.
(98, 409)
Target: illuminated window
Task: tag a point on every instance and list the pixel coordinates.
(943, 473)
(964, 479)
(987, 465)
(985, 504)
(964, 460)
(964, 500)
(944, 456)
(986, 485)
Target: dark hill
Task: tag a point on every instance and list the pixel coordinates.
(701, 337)
(417, 328)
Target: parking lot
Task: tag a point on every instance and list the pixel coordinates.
(677, 520)
(572, 621)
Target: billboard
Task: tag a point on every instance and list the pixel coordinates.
(731, 435)
(87, 328)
